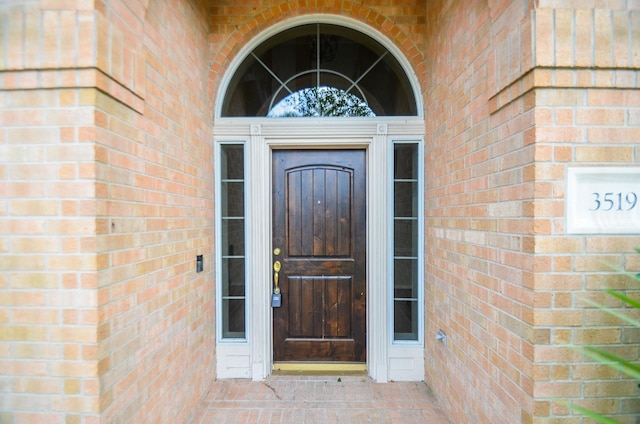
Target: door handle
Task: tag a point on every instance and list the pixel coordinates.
(276, 276)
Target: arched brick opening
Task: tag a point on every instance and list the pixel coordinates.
(230, 33)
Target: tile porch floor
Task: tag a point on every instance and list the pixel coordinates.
(318, 399)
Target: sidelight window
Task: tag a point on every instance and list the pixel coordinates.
(407, 236)
(231, 233)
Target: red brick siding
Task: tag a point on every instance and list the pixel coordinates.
(156, 214)
(107, 186)
(106, 178)
(503, 279)
(479, 215)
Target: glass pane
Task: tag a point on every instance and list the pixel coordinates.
(346, 59)
(232, 202)
(233, 277)
(405, 237)
(405, 199)
(405, 161)
(393, 96)
(405, 277)
(318, 102)
(405, 322)
(406, 250)
(233, 314)
(232, 241)
(232, 237)
(232, 162)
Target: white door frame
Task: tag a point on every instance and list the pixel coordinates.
(252, 358)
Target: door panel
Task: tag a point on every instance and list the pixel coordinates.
(320, 307)
(319, 208)
(319, 212)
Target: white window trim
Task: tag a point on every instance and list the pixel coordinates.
(233, 351)
(406, 357)
(386, 360)
(252, 358)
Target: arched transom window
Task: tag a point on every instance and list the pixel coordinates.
(317, 70)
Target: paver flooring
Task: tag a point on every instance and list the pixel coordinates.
(319, 399)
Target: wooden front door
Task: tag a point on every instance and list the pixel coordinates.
(319, 226)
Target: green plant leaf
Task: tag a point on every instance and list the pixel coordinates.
(614, 313)
(606, 358)
(613, 361)
(632, 275)
(626, 299)
(598, 417)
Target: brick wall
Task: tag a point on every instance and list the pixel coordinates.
(586, 99)
(478, 216)
(106, 181)
(48, 263)
(156, 164)
(106, 197)
(532, 91)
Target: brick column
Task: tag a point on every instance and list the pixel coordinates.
(106, 199)
(517, 92)
(49, 340)
(587, 100)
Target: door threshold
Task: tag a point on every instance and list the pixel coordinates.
(319, 368)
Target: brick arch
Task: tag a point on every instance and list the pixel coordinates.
(226, 45)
